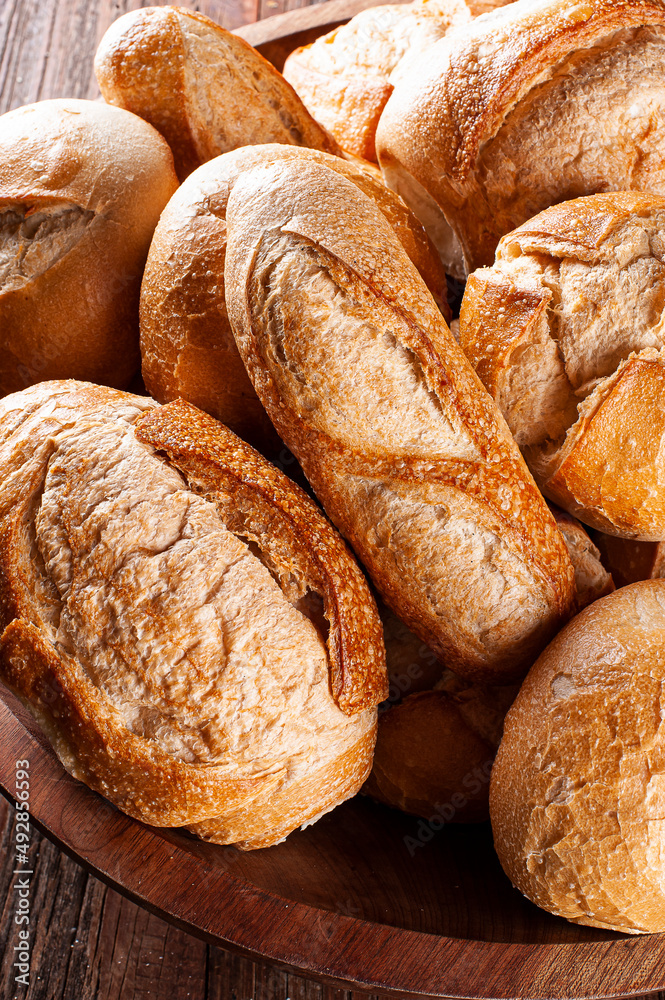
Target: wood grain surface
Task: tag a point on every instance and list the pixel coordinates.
(89, 942)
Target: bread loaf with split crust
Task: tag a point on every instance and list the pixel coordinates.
(82, 186)
(205, 89)
(408, 455)
(533, 104)
(566, 332)
(187, 345)
(193, 636)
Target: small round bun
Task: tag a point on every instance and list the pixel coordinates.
(82, 186)
(577, 796)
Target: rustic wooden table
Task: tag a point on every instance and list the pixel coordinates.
(89, 942)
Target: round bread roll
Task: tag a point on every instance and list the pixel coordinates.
(205, 89)
(527, 106)
(578, 787)
(82, 186)
(187, 346)
(193, 636)
(346, 76)
(566, 333)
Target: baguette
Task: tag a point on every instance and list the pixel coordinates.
(187, 346)
(566, 333)
(407, 453)
(82, 186)
(194, 638)
(531, 105)
(205, 89)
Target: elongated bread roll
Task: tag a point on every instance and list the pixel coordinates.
(566, 333)
(346, 76)
(533, 104)
(82, 186)
(187, 346)
(408, 455)
(576, 797)
(205, 89)
(629, 561)
(193, 636)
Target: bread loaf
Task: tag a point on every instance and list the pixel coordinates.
(81, 189)
(346, 76)
(187, 346)
(205, 89)
(408, 455)
(566, 333)
(193, 636)
(531, 105)
(576, 796)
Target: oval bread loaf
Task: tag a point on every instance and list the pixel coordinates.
(205, 89)
(82, 186)
(578, 786)
(187, 345)
(530, 105)
(407, 453)
(566, 333)
(193, 636)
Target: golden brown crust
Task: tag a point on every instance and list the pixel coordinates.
(441, 125)
(82, 186)
(346, 77)
(205, 89)
(565, 331)
(127, 727)
(261, 503)
(369, 479)
(187, 345)
(428, 761)
(577, 786)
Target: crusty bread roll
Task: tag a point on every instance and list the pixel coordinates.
(533, 104)
(576, 797)
(346, 76)
(187, 346)
(82, 186)
(407, 453)
(205, 89)
(630, 561)
(566, 333)
(163, 605)
(434, 753)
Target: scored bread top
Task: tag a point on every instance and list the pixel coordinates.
(187, 346)
(566, 332)
(364, 382)
(528, 106)
(205, 89)
(165, 617)
(82, 186)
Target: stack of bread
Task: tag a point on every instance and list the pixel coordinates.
(186, 623)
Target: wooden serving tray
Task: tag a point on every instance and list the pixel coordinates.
(367, 897)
